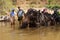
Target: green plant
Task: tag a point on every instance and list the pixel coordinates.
(53, 6)
(49, 2)
(5, 5)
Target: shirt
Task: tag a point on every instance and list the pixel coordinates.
(12, 14)
(20, 13)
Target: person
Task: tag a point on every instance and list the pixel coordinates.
(44, 11)
(12, 16)
(20, 14)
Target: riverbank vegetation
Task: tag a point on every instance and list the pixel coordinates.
(6, 5)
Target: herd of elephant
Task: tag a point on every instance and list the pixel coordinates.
(34, 18)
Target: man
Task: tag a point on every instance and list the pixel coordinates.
(20, 14)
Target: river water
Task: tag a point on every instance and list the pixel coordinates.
(8, 32)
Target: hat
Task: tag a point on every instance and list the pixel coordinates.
(44, 9)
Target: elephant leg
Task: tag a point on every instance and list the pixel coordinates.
(46, 23)
(32, 25)
(24, 25)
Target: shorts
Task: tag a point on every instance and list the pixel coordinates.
(20, 18)
(12, 19)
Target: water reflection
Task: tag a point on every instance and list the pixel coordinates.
(43, 33)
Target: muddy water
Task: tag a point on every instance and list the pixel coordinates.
(43, 33)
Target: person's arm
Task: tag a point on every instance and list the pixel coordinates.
(17, 13)
(10, 13)
(23, 13)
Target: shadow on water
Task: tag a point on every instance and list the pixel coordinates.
(9, 32)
